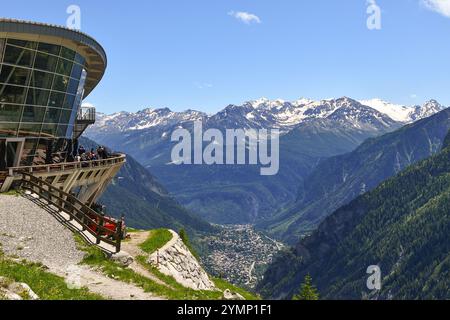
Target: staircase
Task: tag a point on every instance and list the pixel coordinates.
(104, 232)
(85, 118)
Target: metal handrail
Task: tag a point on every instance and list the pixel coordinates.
(59, 167)
(86, 114)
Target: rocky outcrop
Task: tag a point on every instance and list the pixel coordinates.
(228, 295)
(175, 259)
(10, 290)
(123, 258)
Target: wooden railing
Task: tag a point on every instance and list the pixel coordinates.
(60, 167)
(90, 220)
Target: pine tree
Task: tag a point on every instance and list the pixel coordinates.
(307, 290)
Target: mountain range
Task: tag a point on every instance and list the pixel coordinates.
(264, 113)
(312, 131)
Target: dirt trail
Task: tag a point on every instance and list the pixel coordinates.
(111, 288)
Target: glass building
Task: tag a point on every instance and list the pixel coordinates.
(45, 73)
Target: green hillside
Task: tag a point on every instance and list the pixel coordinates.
(402, 226)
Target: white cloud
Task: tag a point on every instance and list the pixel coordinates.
(413, 96)
(201, 85)
(87, 105)
(440, 6)
(245, 17)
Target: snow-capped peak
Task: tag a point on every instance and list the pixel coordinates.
(402, 113)
(302, 102)
(396, 112)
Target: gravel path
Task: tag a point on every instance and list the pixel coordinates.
(21, 234)
(21, 226)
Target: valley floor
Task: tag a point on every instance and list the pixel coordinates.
(239, 254)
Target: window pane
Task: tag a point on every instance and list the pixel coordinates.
(29, 149)
(49, 48)
(49, 130)
(76, 71)
(6, 72)
(41, 79)
(12, 94)
(56, 99)
(38, 97)
(10, 113)
(33, 130)
(45, 62)
(73, 87)
(65, 116)
(67, 53)
(33, 114)
(52, 115)
(18, 56)
(41, 150)
(8, 129)
(2, 46)
(15, 75)
(68, 103)
(61, 83)
(64, 67)
(62, 130)
(23, 43)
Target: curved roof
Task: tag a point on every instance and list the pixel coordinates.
(88, 47)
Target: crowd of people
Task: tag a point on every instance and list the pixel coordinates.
(100, 154)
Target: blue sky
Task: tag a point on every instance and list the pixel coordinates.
(204, 54)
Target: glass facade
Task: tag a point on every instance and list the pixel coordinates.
(41, 88)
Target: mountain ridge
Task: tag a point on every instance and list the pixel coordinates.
(278, 113)
(311, 131)
(339, 179)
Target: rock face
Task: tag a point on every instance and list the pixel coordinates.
(175, 259)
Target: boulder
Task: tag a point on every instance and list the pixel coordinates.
(122, 258)
(228, 295)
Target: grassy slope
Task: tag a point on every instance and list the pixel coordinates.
(157, 239)
(46, 285)
(171, 289)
